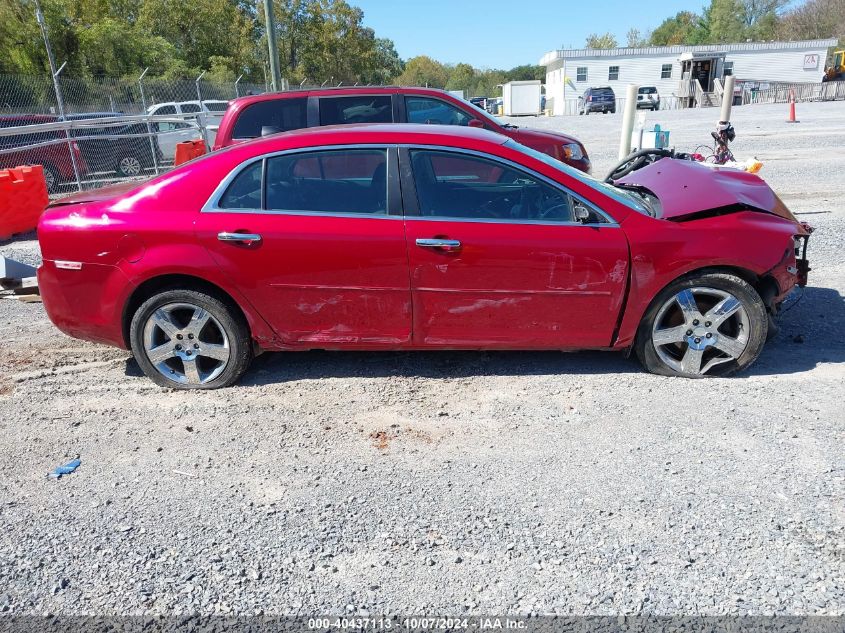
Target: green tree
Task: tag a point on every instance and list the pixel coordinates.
(726, 22)
(526, 73)
(636, 39)
(683, 28)
(601, 41)
(423, 71)
(461, 77)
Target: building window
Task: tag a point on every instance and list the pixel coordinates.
(729, 68)
(582, 73)
(666, 71)
(613, 73)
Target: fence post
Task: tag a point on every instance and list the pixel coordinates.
(60, 102)
(201, 118)
(237, 81)
(147, 117)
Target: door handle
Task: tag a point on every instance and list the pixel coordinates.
(439, 244)
(243, 238)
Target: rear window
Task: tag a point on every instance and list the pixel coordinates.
(357, 109)
(282, 114)
(216, 106)
(603, 91)
(648, 91)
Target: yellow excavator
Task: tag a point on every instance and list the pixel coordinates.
(836, 71)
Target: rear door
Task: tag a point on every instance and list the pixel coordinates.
(320, 249)
(498, 260)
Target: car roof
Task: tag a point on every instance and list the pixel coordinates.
(34, 118)
(337, 91)
(371, 133)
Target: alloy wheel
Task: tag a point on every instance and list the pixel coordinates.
(186, 344)
(130, 166)
(700, 328)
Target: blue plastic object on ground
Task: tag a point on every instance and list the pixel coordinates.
(66, 469)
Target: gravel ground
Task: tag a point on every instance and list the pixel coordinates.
(436, 483)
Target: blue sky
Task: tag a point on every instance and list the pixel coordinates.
(508, 33)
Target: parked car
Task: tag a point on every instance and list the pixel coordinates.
(307, 240)
(601, 99)
(48, 149)
(170, 133)
(494, 105)
(254, 116)
(648, 98)
(125, 149)
(479, 102)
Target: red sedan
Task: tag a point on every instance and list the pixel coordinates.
(386, 237)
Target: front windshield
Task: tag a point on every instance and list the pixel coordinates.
(622, 196)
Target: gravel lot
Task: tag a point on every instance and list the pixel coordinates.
(482, 483)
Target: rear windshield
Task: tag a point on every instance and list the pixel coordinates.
(282, 114)
(602, 91)
(648, 91)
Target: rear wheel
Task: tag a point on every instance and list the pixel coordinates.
(185, 339)
(51, 178)
(129, 166)
(709, 324)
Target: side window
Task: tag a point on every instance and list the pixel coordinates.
(163, 110)
(331, 181)
(462, 186)
(430, 110)
(190, 108)
(358, 109)
(282, 114)
(613, 73)
(245, 190)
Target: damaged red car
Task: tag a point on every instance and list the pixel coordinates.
(406, 237)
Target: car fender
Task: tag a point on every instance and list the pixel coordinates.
(663, 251)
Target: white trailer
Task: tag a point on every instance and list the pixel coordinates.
(521, 98)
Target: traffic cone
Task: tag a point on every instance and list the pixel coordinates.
(792, 118)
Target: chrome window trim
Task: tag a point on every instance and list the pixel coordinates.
(212, 205)
(552, 183)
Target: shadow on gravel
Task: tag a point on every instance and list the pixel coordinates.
(810, 333)
(18, 237)
(276, 367)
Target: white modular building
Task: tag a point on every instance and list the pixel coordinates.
(690, 74)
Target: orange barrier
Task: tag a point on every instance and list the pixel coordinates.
(23, 197)
(187, 150)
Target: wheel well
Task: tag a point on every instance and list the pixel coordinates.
(171, 282)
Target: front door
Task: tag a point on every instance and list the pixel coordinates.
(317, 253)
(498, 260)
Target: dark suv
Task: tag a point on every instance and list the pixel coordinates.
(49, 149)
(260, 115)
(597, 100)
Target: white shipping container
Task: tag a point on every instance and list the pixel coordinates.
(521, 98)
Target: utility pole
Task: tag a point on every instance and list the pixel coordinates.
(270, 25)
(39, 17)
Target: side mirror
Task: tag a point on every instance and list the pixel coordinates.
(475, 123)
(267, 130)
(581, 213)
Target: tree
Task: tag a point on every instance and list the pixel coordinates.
(635, 39)
(681, 29)
(727, 21)
(526, 73)
(461, 77)
(423, 71)
(812, 20)
(601, 41)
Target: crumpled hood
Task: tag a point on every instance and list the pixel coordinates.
(687, 188)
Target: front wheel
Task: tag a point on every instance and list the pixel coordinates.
(185, 339)
(129, 166)
(708, 324)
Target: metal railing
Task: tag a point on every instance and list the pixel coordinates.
(86, 153)
(771, 92)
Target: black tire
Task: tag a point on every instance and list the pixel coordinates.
(52, 178)
(226, 315)
(748, 298)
